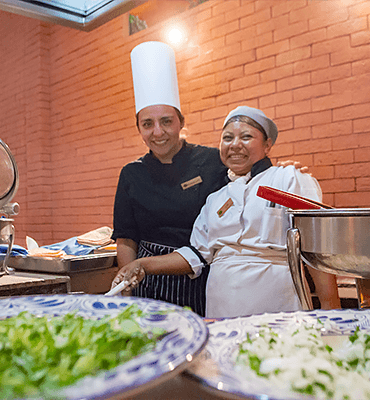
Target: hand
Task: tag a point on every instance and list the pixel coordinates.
(296, 164)
(133, 273)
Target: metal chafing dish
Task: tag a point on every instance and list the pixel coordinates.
(8, 187)
(331, 240)
(63, 265)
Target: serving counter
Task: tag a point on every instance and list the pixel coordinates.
(91, 274)
(24, 283)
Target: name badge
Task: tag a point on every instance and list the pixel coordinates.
(224, 208)
(192, 182)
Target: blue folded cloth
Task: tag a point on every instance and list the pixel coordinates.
(72, 247)
(16, 250)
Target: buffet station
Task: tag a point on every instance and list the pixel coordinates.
(79, 342)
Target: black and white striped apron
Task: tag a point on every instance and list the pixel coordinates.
(176, 289)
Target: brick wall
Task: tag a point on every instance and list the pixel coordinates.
(67, 106)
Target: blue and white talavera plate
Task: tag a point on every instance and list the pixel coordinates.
(216, 369)
(172, 354)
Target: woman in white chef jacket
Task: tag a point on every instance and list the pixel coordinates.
(239, 234)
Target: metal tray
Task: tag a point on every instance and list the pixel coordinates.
(76, 264)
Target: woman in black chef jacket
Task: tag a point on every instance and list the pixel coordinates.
(160, 195)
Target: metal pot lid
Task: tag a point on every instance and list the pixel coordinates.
(333, 212)
(9, 175)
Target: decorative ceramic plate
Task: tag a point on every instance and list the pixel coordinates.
(171, 355)
(216, 368)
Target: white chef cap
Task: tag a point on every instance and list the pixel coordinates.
(257, 115)
(154, 75)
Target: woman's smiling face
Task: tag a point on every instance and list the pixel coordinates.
(241, 146)
(160, 127)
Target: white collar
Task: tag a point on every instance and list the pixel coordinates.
(233, 177)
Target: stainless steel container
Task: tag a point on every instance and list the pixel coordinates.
(335, 241)
(8, 187)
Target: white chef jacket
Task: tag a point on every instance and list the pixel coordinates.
(246, 245)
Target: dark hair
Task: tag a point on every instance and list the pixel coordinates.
(178, 112)
(249, 121)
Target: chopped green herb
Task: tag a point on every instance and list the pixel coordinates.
(39, 355)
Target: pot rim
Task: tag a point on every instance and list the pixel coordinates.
(333, 212)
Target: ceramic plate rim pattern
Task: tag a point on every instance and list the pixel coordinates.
(170, 356)
(224, 336)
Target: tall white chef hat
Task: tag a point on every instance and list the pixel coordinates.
(154, 75)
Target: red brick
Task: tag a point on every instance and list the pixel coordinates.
(200, 127)
(259, 90)
(361, 125)
(331, 73)
(211, 91)
(360, 38)
(259, 66)
(229, 75)
(305, 160)
(330, 46)
(230, 98)
(224, 7)
(334, 157)
(350, 55)
(313, 146)
(323, 172)
(256, 41)
(205, 27)
(337, 185)
(295, 136)
(225, 29)
(276, 99)
(227, 51)
(282, 150)
(333, 14)
(349, 200)
(201, 82)
(357, 84)
(288, 7)
(246, 81)
(351, 112)
(243, 11)
(271, 25)
(311, 92)
(277, 73)
(347, 142)
(360, 67)
(283, 124)
(347, 27)
(297, 108)
(294, 55)
(255, 18)
(363, 184)
(362, 155)
(292, 82)
(213, 114)
(332, 101)
(333, 129)
(312, 64)
(273, 49)
(241, 35)
(292, 30)
(240, 59)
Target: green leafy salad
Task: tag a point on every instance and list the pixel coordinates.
(40, 355)
(301, 361)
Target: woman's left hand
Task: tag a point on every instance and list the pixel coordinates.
(296, 164)
(132, 273)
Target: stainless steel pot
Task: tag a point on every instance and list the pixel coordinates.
(335, 241)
